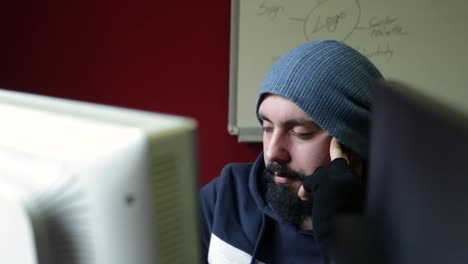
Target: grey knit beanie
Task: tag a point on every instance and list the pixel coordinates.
(329, 81)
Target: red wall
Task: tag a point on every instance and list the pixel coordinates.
(165, 56)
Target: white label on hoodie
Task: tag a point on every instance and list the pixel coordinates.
(221, 252)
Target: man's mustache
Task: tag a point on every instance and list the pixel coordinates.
(283, 170)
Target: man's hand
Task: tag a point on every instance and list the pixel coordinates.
(336, 152)
(334, 190)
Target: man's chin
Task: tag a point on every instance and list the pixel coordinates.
(283, 198)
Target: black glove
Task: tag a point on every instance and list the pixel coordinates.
(335, 190)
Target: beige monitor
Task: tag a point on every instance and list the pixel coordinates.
(86, 183)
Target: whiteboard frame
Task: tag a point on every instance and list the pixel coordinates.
(245, 134)
(430, 53)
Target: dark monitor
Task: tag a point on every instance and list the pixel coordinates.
(418, 177)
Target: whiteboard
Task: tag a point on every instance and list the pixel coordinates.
(420, 42)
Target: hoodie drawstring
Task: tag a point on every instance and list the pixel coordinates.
(259, 239)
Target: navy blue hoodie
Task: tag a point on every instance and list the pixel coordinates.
(239, 227)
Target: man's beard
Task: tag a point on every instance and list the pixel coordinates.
(284, 198)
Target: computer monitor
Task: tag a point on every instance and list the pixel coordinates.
(418, 178)
(87, 183)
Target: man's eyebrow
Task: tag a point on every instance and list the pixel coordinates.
(263, 117)
(301, 122)
(293, 122)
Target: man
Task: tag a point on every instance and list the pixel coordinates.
(314, 108)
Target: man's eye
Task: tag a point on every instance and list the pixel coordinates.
(302, 134)
(267, 129)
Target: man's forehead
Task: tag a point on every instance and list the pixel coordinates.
(280, 110)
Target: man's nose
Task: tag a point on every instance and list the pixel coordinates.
(278, 149)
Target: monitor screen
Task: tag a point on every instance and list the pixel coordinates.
(88, 183)
(418, 179)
